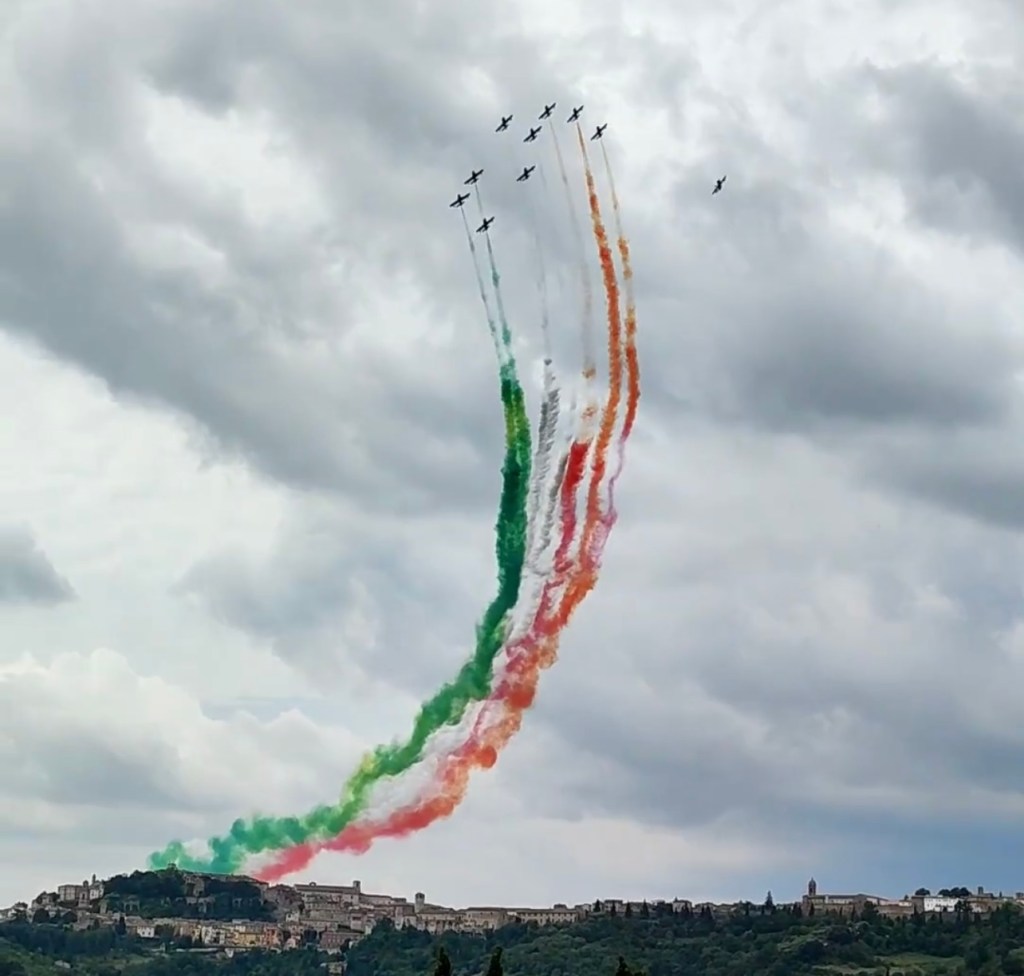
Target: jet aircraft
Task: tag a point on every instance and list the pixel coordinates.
(575, 114)
(459, 200)
(473, 177)
(483, 227)
(547, 111)
(718, 186)
(505, 119)
(525, 175)
(532, 135)
(599, 132)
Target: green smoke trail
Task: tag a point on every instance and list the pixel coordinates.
(473, 682)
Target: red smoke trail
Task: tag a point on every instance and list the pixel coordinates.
(502, 714)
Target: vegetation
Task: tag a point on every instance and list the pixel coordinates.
(755, 941)
(172, 894)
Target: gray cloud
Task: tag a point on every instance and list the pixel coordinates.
(955, 145)
(26, 574)
(784, 633)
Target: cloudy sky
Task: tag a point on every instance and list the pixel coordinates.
(251, 438)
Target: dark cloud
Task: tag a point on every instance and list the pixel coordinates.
(26, 574)
(955, 145)
(783, 633)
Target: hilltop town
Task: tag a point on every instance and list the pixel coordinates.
(238, 912)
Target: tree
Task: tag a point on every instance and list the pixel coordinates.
(623, 969)
(645, 909)
(769, 904)
(629, 910)
(494, 967)
(444, 964)
(40, 916)
(922, 893)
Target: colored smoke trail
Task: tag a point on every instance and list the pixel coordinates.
(598, 523)
(503, 712)
(540, 516)
(447, 707)
(632, 358)
(547, 424)
(492, 325)
(589, 343)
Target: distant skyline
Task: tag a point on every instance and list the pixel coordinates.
(779, 896)
(251, 445)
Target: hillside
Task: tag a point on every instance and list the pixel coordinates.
(750, 943)
(778, 943)
(176, 894)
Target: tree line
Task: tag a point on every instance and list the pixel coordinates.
(761, 940)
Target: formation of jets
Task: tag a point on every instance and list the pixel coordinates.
(527, 170)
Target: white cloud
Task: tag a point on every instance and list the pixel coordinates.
(251, 422)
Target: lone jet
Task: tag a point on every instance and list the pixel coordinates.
(505, 119)
(532, 135)
(547, 111)
(525, 175)
(483, 227)
(459, 200)
(473, 177)
(718, 186)
(575, 114)
(599, 132)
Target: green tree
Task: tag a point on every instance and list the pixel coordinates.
(769, 904)
(444, 964)
(494, 967)
(623, 969)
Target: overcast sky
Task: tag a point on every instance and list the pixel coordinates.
(251, 436)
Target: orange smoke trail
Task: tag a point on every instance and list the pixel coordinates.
(501, 715)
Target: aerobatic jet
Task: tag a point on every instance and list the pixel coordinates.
(547, 111)
(718, 186)
(473, 177)
(525, 175)
(483, 227)
(532, 135)
(505, 119)
(459, 200)
(575, 114)
(599, 132)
